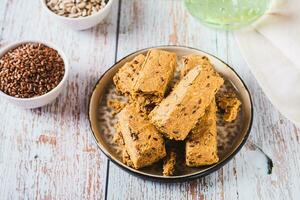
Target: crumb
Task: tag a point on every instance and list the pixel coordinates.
(169, 164)
(230, 104)
(116, 105)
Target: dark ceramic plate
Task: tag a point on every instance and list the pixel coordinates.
(231, 136)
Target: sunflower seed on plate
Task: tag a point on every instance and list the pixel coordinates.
(81, 5)
(73, 10)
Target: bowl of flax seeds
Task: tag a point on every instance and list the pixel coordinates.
(32, 73)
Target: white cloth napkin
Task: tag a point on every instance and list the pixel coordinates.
(271, 47)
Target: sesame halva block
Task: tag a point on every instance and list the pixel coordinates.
(193, 60)
(201, 144)
(126, 158)
(155, 76)
(143, 143)
(118, 139)
(125, 78)
(179, 112)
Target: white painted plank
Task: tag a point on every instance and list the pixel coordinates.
(149, 23)
(49, 153)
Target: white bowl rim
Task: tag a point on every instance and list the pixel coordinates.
(13, 45)
(107, 6)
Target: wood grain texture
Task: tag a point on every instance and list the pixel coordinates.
(150, 23)
(49, 153)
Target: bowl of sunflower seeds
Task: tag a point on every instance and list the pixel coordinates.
(77, 14)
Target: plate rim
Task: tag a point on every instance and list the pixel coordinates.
(184, 178)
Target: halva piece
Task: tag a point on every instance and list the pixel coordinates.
(126, 158)
(155, 76)
(191, 61)
(118, 139)
(201, 144)
(178, 113)
(125, 77)
(143, 143)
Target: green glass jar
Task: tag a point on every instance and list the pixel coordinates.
(227, 14)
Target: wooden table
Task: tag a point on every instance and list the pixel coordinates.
(49, 153)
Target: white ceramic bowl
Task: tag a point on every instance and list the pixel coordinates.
(42, 100)
(81, 23)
